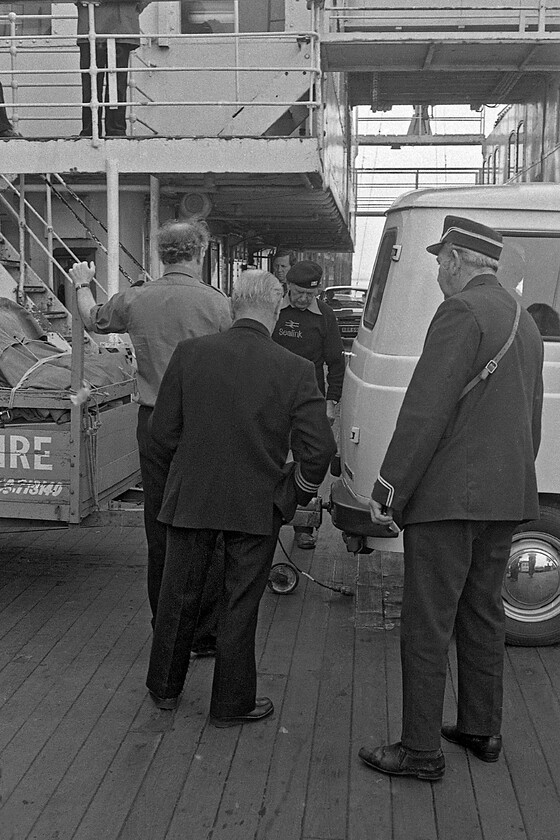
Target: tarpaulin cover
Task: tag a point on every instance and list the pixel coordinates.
(27, 361)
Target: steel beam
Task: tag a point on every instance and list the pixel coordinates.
(420, 139)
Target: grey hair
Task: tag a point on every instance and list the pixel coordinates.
(476, 260)
(256, 289)
(182, 240)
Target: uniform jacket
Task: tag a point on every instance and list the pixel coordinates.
(113, 17)
(157, 316)
(227, 411)
(473, 458)
(313, 333)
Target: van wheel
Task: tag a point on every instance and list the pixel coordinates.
(531, 585)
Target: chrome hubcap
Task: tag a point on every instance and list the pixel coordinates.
(531, 585)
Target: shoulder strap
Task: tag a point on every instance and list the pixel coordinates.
(493, 363)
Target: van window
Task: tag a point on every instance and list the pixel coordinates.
(529, 268)
(379, 277)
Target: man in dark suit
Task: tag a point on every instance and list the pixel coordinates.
(459, 475)
(228, 408)
(119, 19)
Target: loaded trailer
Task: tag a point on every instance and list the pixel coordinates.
(69, 456)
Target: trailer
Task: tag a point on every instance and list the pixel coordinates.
(81, 469)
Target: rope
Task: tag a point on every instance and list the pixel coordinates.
(31, 370)
(90, 432)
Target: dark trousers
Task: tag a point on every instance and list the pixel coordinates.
(115, 118)
(453, 573)
(248, 558)
(154, 477)
(5, 123)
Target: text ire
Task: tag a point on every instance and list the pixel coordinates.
(15, 452)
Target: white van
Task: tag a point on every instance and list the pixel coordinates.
(402, 298)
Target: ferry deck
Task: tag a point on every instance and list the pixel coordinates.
(85, 755)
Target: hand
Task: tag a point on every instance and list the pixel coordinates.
(380, 515)
(82, 273)
(331, 411)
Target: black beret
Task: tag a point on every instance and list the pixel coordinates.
(306, 274)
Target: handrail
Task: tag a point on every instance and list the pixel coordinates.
(51, 189)
(19, 44)
(23, 226)
(414, 177)
(539, 15)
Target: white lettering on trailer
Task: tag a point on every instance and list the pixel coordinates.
(38, 443)
(18, 447)
(33, 488)
(14, 451)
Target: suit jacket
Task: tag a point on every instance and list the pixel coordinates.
(473, 458)
(228, 409)
(113, 17)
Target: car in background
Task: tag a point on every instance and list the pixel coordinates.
(348, 305)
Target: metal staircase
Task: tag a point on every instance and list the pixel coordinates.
(34, 295)
(18, 280)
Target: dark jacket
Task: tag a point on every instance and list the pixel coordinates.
(313, 333)
(113, 17)
(228, 408)
(473, 458)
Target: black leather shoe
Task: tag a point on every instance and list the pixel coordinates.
(396, 760)
(485, 747)
(166, 703)
(263, 708)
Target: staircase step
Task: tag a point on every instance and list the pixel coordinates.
(33, 289)
(56, 314)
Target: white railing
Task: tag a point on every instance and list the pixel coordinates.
(523, 16)
(439, 123)
(54, 186)
(218, 68)
(377, 188)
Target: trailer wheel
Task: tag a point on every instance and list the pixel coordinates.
(283, 578)
(531, 585)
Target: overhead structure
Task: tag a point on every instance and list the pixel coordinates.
(441, 53)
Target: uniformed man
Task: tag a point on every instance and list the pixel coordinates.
(157, 316)
(459, 475)
(308, 327)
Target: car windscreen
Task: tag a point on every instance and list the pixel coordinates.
(341, 298)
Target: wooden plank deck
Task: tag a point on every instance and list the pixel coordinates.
(84, 755)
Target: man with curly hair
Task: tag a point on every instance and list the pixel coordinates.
(157, 316)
